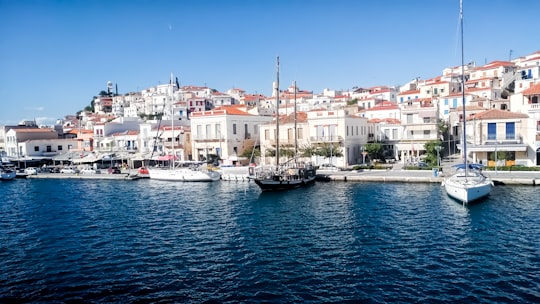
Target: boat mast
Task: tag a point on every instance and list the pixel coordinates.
(295, 130)
(170, 93)
(277, 114)
(463, 90)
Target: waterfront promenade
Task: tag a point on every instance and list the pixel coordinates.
(427, 176)
(396, 174)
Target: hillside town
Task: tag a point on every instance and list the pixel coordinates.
(202, 124)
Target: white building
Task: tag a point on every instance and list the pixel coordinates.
(225, 132)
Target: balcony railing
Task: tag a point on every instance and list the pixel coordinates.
(201, 139)
(326, 139)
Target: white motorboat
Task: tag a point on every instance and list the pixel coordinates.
(7, 173)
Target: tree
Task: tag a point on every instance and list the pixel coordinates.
(307, 151)
(329, 150)
(252, 151)
(352, 102)
(431, 152)
(374, 150)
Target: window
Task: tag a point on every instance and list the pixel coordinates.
(49, 148)
(208, 134)
(234, 129)
(454, 103)
(427, 133)
(218, 131)
(492, 131)
(300, 133)
(510, 130)
(446, 101)
(409, 118)
(59, 148)
(427, 120)
(36, 148)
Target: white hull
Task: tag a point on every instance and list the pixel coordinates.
(237, 173)
(183, 175)
(468, 189)
(7, 174)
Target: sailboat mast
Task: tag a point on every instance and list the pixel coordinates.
(277, 113)
(171, 100)
(463, 89)
(295, 130)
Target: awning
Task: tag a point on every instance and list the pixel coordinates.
(167, 157)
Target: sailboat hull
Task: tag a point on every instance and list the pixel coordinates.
(468, 189)
(278, 184)
(183, 175)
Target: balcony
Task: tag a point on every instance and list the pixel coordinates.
(204, 139)
(326, 139)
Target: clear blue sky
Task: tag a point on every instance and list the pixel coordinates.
(56, 55)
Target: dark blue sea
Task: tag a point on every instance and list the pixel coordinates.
(102, 241)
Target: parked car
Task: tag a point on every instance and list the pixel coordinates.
(328, 167)
(68, 170)
(88, 171)
(31, 171)
(422, 165)
(114, 170)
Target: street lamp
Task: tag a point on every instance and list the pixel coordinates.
(438, 149)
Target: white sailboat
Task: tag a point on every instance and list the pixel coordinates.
(292, 174)
(468, 184)
(181, 171)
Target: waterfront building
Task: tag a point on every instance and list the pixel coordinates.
(419, 119)
(225, 132)
(497, 137)
(16, 138)
(346, 130)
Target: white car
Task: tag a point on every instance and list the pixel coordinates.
(31, 171)
(67, 170)
(328, 167)
(88, 171)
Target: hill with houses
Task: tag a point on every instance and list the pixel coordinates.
(337, 127)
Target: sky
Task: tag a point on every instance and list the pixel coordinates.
(56, 55)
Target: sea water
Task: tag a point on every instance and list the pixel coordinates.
(226, 242)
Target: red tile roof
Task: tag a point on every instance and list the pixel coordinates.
(534, 90)
(496, 114)
(385, 105)
(495, 64)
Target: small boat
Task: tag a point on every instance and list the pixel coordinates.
(292, 174)
(468, 183)
(142, 172)
(233, 173)
(7, 173)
